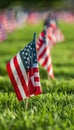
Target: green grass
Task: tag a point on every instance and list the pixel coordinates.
(54, 108)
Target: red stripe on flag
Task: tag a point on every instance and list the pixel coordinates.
(35, 69)
(41, 55)
(42, 33)
(49, 70)
(45, 61)
(23, 82)
(13, 82)
(39, 44)
(36, 79)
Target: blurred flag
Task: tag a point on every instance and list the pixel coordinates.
(59, 35)
(50, 25)
(8, 21)
(23, 72)
(43, 52)
(32, 18)
(55, 33)
(2, 33)
(51, 38)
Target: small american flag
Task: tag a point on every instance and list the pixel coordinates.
(23, 72)
(43, 51)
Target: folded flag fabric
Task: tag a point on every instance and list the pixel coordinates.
(43, 53)
(24, 73)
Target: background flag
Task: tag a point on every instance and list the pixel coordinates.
(59, 35)
(6, 20)
(43, 51)
(23, 72)
(3, 35)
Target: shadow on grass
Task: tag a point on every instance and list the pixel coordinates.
(64, 65)
(18, 40)
(66, 75)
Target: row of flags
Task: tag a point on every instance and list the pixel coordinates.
(48, 38)
(10, 20)
(7, 24)
(65, 16)
(23, 68)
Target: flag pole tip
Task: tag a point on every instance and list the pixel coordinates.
(34, 36)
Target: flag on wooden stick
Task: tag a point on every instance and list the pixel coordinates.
(24, 73)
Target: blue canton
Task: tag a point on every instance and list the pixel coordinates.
(28, 55)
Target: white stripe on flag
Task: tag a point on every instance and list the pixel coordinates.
(48, 63)
(41, 49)
(37, 84)
(36, 74)
(14, 71)
(22, 68)
(32, 79)
(42, 59)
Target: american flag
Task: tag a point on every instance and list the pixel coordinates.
(43, 52)
(23, 72)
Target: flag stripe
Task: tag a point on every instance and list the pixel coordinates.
(36, 79)
(42, 47)
(42, 58)
(45, 61)
(19, 85)
(24, 86)
(43, 51)
(36, 74)
(22, 68)
(39, 43)
(37, 84)
(11, 75)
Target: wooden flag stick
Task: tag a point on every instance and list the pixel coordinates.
(26, 103)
